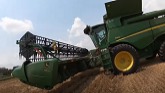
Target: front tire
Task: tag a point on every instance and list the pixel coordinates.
(125, 59)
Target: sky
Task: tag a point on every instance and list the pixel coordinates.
(56, 19)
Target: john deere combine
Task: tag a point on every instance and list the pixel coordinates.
(49, 62)
(127, 34)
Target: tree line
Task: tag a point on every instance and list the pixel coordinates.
(5, 71)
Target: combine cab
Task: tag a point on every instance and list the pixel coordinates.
(48, 61)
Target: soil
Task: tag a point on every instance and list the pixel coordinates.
(150, 78)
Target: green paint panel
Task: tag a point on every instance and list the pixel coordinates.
(43, 74)
(134, 34)
(160, 28)
(20, 72)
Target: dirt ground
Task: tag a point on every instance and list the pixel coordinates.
(150, 78)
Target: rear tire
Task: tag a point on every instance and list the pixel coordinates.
(151, 57)
(162, 52)
(125, 59)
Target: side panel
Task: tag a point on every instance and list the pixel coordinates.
(43, 74)
(138, 34)
(158, 25)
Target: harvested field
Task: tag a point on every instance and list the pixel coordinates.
(150, 78)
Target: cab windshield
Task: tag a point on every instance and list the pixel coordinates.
(100, 33)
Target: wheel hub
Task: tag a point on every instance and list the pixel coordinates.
(124, 61)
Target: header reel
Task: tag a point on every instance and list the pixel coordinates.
(36, 48)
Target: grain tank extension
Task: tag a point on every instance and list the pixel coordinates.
(127, 34)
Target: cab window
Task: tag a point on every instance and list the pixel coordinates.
(101, 35)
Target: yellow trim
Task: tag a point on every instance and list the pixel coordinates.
(143, 31)
(124, 61)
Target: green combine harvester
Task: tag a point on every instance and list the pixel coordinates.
(125, 36)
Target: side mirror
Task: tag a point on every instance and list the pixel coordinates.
(87, 30)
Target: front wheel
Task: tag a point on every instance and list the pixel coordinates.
(125, 59)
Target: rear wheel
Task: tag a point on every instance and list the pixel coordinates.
(151, 57)
(162, 51)
(125, 59)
